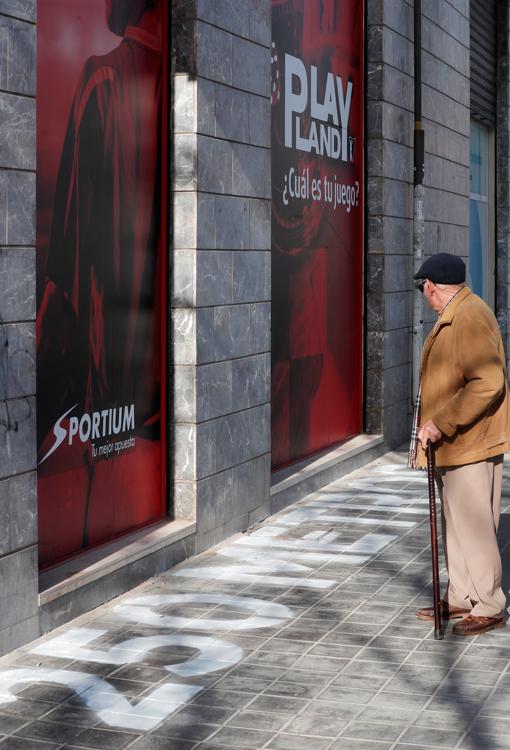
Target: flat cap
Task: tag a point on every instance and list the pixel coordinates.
(443, 268)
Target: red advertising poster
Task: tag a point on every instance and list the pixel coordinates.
(100, 231)
(317, 225)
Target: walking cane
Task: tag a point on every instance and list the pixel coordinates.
(438, 632)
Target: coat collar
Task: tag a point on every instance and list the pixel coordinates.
(444, 319)
(446, 316)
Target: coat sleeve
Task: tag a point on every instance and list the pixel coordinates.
(483, 373)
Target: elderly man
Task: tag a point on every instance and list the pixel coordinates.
(464, 411)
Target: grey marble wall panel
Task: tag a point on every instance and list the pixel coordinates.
(185, 501)
(214, 278)
(446, 175)
(232, 217)
(214, 502)
(396, 383)
(17, 282)
(17, 436)
(223, 333)
(397, 50)
(183, 343)
(17, 360)
(375, 317)
(17, 635)
(250, 278)
(452, 83)
(242, 436)
(234, 16)
(206, 221)
(375, 12)
(184, 220)
(184, 452)
(18, 573)
(444, 111)
(260, 121)
(184, 104)
(447, 208)
(397, 347)
(260, 21)
(397, 88)
(397, 273)
(205, 114)
(375, 80)
(375, 43)
(229, 321)
(184, 393)
(185, 161)
(260, 328)
(375, 240)
(251, 381)
(251, 67)
(399, 17)
(389, 197)
(232, 114)
(397, 422)
(440, 43)
(374, 274)
(17, 56)
(208, 539)
(389, 159)
(214, 165)
(251, 482)
(231, 440)
(374, 151)
(398, 309)
(206, 447)
(213, 53)
(18, 512)
(215, 390)
(374, 349)
(446, 16)
(203, 9)
(251, 171)
(397, 234)
(374, 415)
(24, 9)
(17, 132)
(374, 395)
(184, 278)
(17, 208)
(390, 121)
(260, 224)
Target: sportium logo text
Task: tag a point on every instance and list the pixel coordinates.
(95, 426)
(327, 133)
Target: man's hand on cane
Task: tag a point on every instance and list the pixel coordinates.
(429, 431)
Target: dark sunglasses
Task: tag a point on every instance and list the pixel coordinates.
(420, 285)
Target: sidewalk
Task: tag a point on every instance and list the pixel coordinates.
(299, 635)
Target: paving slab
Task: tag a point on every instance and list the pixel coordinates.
(300, 634)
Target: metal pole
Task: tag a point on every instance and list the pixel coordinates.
(419, 192)
(438, 632)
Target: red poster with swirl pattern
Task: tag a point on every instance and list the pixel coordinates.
(101, 183)
(317, 225)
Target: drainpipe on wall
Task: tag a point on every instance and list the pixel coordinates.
(419, 191)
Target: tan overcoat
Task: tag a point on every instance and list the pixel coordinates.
(464, 385)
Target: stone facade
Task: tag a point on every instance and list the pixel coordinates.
(221, 265)
(220, 283)
(503, 176)
(19, 620)
(389, 137)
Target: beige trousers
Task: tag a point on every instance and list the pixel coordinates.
(470, 501)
